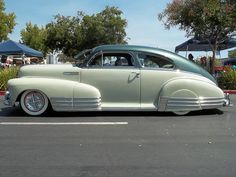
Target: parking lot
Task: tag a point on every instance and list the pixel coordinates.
(118, 144)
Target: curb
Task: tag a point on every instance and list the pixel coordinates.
(230, 91)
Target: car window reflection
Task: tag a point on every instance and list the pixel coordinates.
(154, 61)
(112, 60)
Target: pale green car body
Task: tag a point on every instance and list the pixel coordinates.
(119, 88)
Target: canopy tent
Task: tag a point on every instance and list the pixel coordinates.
(231, 61)
(13, 48)
(203, 45)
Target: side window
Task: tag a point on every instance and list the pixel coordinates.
(112, 60)
(155, 61)
(97, 61)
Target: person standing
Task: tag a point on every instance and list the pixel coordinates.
(190, 57)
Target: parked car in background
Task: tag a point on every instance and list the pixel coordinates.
(117, 78)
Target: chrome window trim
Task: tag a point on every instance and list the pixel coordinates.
(158, 69)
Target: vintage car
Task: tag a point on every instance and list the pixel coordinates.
(117, 78)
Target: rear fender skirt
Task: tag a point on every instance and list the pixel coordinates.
(186, 94)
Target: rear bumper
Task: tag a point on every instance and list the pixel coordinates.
(7, 99)
(227, 100)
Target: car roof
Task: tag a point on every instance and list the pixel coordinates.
(128, 48)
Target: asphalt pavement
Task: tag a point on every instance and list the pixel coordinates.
(118, 144)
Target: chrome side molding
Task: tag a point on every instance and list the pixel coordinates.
(70, 73)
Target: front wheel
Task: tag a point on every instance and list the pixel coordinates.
(34, 102)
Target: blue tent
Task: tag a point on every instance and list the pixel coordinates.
(13, 48)
(203, 45)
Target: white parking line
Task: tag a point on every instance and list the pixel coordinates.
(63, 123)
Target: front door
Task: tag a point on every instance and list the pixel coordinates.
(114, 74)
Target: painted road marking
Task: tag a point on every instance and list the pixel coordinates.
(63, 123)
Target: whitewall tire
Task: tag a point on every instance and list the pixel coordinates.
(34, 102)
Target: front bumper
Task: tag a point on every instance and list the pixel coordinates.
(7, 99)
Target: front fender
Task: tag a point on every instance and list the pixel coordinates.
(57, 90)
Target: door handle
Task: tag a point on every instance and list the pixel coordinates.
(136, 74)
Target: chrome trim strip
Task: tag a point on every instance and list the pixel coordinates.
(61, 100)
(210, 103)
(76, 104)
(174, 103)
(199, 98)
(123, 109)
(162, 103)
(70, 73)
(86, 100)
(182, 105)
(182, 102)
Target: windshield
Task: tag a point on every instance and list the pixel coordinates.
(81, 57)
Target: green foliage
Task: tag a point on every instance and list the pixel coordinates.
(73, 34)
(7, 22)
(34, 37)
(209, 19)
(63, 34)
(106, 27)
(218, 62)
(228, 79)
(232, 53)
(63, 58)
(7, 74)
(212, 20)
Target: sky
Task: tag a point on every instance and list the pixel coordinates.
(143, 28)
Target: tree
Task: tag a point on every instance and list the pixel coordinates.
(63, 34)
(212, 20)
(73, 34)
(7, 22)
(106, 27)
(34, 37)
(232, 53)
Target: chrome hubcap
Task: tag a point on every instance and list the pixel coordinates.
(34, 101)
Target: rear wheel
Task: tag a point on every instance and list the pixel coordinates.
(181, 113)
(34, 102)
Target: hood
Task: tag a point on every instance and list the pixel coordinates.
(65, 71)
